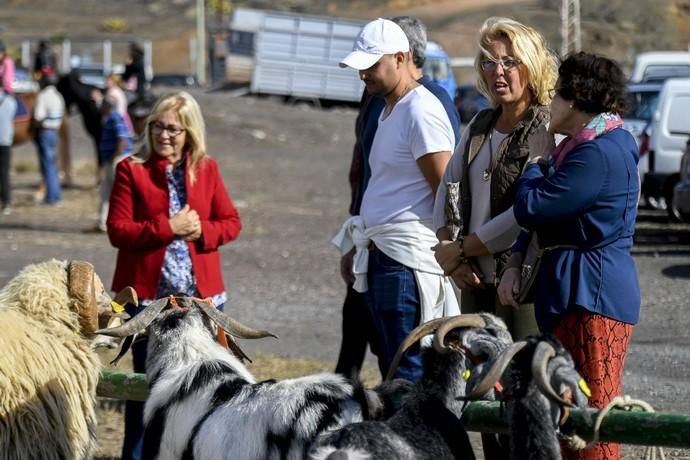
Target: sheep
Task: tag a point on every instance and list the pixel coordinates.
(540, 384)
(203, 402)
(428, 425)
(48, 370)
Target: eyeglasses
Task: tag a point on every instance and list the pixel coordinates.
(157, 128)
(508, 63)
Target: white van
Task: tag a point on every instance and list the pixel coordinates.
(670, 128)
(654, 64)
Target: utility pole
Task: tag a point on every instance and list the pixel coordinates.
(570, 27)
(200, 42)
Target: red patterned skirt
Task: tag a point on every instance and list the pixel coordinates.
(598, 345)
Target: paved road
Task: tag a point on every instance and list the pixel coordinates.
(286, 168)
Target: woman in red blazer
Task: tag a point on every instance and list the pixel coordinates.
(169, 213)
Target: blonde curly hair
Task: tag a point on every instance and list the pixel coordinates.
(529, 46)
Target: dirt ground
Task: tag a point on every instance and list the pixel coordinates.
(286, 169)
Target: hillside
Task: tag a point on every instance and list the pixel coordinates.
(618, 28)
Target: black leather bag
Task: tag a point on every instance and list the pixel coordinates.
(529, 270)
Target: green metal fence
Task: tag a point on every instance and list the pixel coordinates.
(623, 426)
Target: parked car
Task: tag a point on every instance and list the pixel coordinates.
(661, 74)
(646, 64)
(469, 101)
(681, 192)
(24, 82)
(91, 74)
(670, 128)
(173, 79)
(643, 101)
(437, 67)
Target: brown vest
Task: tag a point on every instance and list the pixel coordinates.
(511, 157)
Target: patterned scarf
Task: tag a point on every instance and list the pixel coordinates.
(599, 125)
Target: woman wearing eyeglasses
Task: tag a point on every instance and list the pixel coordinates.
(169, 213)
(475, 198)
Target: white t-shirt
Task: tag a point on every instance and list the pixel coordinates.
(49, 108)
(397, 190)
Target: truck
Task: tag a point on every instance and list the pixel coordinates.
(297, 56)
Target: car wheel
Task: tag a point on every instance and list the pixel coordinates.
(674, 214)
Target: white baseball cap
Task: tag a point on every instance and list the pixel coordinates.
(377, 38)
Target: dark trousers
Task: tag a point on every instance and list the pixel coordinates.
(134, 410)
(358, 331)
(5, 164)
(393, 299)
(47, 142)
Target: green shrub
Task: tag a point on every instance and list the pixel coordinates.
(115, 25)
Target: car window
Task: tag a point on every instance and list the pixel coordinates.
(678, 123)
(436, 69)
(643, 104)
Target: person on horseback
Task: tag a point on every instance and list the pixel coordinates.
(134, 76)
(6, 69)
(44, 60)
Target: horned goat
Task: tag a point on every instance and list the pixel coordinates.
(540, 384)
(48, 370)
(203, 402)
(428, 425)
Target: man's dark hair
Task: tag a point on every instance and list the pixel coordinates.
(415, 31)
(593, 83)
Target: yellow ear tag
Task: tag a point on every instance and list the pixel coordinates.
(466, 375)
(117, 308)
(585, 389)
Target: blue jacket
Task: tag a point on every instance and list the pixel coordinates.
(590, 202)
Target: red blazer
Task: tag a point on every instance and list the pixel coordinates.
(138, 224)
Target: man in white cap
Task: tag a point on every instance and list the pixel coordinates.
(390, 242)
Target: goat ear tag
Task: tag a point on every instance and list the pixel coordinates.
(585, 389)
(117, 308)
(466, 375)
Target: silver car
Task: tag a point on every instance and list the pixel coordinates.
(681, 192)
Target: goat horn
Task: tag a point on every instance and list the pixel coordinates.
(230, 325)
(413, 337)
(495, 371)
(139, 322)
(542, 354)
(454, 322)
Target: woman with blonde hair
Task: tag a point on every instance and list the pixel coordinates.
(473, 212)
(169, 214)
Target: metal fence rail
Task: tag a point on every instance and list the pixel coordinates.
(623, 426)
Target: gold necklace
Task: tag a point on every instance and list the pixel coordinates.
(490, 168)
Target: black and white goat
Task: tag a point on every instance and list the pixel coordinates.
(204, 403)
(540, 384)
(428, 424)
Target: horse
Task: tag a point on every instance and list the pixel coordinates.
(75, 92)
(23, 132)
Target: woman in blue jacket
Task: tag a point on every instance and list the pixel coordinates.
(582, 203)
